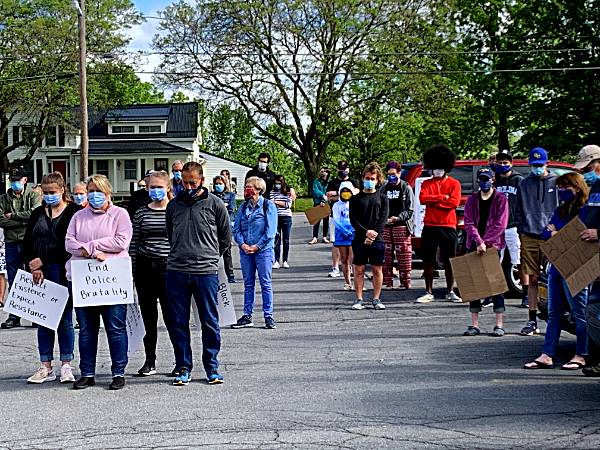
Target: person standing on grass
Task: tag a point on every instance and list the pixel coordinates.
(368, 215)
(319, 199)
(282, 196)
(486, 216)
(441, 196)
(399, 228)
(344, 233)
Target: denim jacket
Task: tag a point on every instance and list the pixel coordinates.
(254, 227)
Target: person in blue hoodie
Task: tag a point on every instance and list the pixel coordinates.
(537, 199)
(344, 232)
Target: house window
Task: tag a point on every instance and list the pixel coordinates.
(16, 137)
(102, 167)
(161, 164)
(51, 137)
(123, 129)
(150, 129)
(61, 136)
(130, 169)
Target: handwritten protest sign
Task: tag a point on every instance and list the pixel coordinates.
(576, 260)
(135, 326)
(479, 276)
(43, 303)
(98, 283)
(224, 303)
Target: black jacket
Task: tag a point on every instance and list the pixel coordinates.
(402, 204)
(508, 186)
(268, 176)
(138, 199)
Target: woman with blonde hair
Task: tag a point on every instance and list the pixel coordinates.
(149, 250)
(99, 232)
(44, 249)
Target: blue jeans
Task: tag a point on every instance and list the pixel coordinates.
(180, 288)
(65, 331)
(114, 317)
(557, 293)
(15, 260)
(284, 226)
(262, 263)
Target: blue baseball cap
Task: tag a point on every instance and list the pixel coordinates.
(538, 156)
(485, 172)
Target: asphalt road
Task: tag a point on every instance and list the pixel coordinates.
(326, 378)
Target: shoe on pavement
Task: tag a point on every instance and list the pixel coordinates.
(270, 323)
(524, 302)
(358, 304)
(425, 298)
(591, 371)
(377, 304)
(43, 374)
(389, 287)
(174, 373)
(472, 331)
(11, 323)
(117, 384)
(487, 302)
(215, 378)
(244, 322)
(347, 287)
(498, 331)
(326, 241)
(334, 273)
(84, 382)
(66, 374)
(276, 265)
(285, 265)
(452, 297)
(184, 377)
(232, 279)
(313, 241)
(530, 329)
(148, 369)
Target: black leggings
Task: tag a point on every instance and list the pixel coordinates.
(325, 227)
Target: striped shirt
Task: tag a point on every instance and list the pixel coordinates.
(277, 196)
(149, 235)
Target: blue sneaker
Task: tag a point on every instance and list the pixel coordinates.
(215, 378)
(232, 279)
(184, 377)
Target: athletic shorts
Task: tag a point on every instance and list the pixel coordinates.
(443, 237)
(513, 244)
(531, 255)
(368, 254)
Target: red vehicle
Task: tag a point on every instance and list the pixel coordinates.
(465, 171)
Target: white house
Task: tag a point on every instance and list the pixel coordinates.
(124, 143)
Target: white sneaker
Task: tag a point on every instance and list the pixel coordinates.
(334, 273)
(347, 287)
(276, 265)
(43, 374)
(425, 298)
(452, 297)
(285, 265)
(66, 374)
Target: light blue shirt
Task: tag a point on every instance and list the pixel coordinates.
(254, 227)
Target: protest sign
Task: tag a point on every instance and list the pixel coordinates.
(43, 303)
(576, 260)
(419, 214)
(224, 303)
(98, 283)
(317, 213)
(479, 276)
(135, 326)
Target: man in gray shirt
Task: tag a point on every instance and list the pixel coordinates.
(199, 232)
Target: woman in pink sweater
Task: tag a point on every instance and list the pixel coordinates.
(99, 232)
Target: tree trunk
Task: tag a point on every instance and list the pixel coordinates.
(503, 143)
(312, 161)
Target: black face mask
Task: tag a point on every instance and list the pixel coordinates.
(190, 193)
(342, 174)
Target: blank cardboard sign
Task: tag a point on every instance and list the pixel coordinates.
(576, 260)
(479, 276)
(317, 213)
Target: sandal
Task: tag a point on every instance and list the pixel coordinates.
(572, 363)
(538, 365)
(313, 241)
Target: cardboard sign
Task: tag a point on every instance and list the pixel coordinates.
(479, 276)
(135, 326)
(224, 304)
(98, 283)
(317, 213)
(43, 303)
(419, 215)
(576, 260)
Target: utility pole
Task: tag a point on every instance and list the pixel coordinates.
(79, 6)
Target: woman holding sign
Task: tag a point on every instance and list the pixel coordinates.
(99, 232)
(574, 193)
(44, 249)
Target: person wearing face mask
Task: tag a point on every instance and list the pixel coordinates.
(282, 196)
(99, 232)
(80, 194)
(44, 249)
(16, 206)
(149, 250)
(141, 197)
(319, 199)
(221, 190)
(537, 199)
(229, 182)
(177, 185)
(344, 232)
(441, 196)
(262, 171)
(486, 216)
(573, 192)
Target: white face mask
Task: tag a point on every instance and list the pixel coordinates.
(262, 165)
(438, 173)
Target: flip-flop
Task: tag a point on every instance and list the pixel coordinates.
(573, 363)
(538, 365)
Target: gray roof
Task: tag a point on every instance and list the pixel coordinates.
(141, 146)
(145, 112)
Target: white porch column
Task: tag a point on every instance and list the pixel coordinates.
(115, 180)
(138, 169)
(44, 163)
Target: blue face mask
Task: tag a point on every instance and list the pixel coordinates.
(538, 171)
(590, 177)
(565, 194)
(502, 169)
(219, 187)
(96, 199)
(369, 184)
(79, 198)
(393, 179)
(16, 186)
(494, 167)
(177, 175)
(52, 199)
(277, 186)
(485, 185)
(157, 194)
